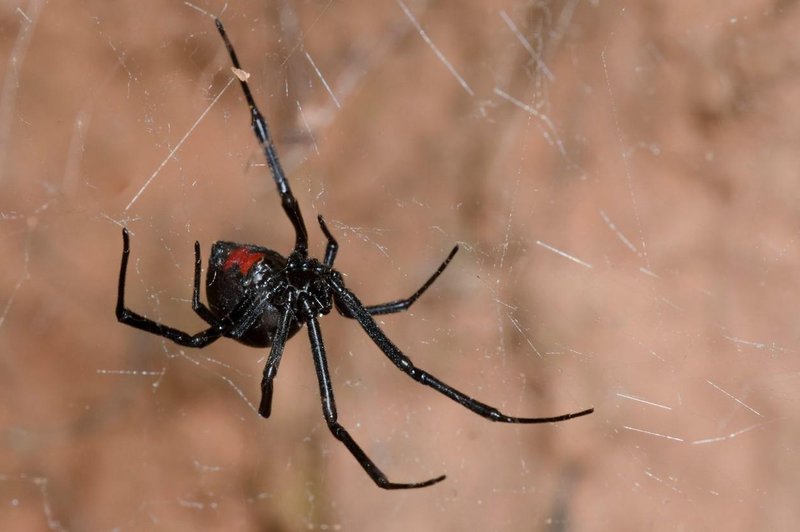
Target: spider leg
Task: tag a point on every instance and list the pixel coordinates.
(128, 317)
(403, 304)
(259, 124)
(332, 246)
(400, 304)
(382, 308)
(197, 305)
(275, 354)
(329, 411)
(348, 300)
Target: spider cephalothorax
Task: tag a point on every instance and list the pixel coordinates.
(260, 298)
(244, 276)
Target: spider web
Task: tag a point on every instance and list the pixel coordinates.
(620, 176)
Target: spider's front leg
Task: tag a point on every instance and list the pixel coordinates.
(391, 307)
(329, 411)
(128, 317)
(403, 304)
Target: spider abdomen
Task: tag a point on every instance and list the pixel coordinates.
(240, 282)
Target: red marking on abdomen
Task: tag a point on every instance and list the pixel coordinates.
(243, 258)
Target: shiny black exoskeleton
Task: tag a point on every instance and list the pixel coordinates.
(260, 298)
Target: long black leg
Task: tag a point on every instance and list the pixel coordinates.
(329, 410)
(261, 130)
(349, 301)
(128, 317)
(403, 304)
(275, 354)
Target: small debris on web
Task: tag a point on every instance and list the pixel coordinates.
(243, 75)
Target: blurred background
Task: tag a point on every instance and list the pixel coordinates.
(622, 178)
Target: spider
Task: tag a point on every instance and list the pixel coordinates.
(260, 298)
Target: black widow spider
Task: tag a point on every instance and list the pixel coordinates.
(260, 298)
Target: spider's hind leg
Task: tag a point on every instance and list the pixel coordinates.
(261, 131)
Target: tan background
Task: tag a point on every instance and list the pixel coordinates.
(655, 142)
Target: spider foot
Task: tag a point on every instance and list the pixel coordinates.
(385, 484)
(555, 419)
